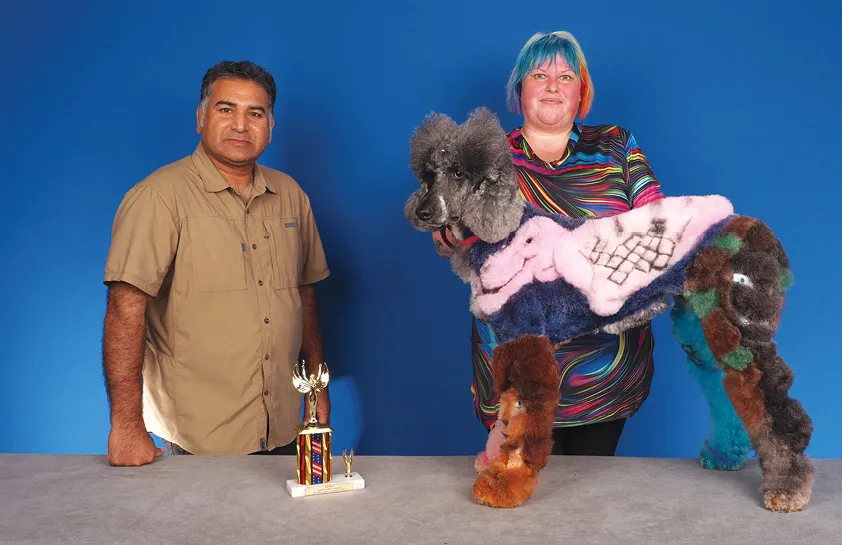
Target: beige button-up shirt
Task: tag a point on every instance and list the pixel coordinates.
(224, 325)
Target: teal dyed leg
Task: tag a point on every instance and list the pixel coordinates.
(727, 445)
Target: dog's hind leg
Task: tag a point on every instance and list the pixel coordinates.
(727, 445)
(757, 381)
(779, 429)
(736, 287)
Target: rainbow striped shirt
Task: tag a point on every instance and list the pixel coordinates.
(603, 377)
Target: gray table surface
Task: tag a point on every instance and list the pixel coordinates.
(407, 500)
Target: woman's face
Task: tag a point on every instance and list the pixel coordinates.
(550, 96)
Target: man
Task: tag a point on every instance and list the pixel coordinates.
(211, 296)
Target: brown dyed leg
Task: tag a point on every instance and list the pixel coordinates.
(787, 472)
(526, 372)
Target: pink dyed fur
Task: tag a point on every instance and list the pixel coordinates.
(543, 251)
(492, 447)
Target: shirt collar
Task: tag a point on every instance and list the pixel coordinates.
(261, 181)
(518, 142)
(215, 182)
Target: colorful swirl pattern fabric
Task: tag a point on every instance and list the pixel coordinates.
(603, 377)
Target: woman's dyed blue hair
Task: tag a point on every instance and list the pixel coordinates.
(541, 48)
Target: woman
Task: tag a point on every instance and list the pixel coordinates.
(580, 171)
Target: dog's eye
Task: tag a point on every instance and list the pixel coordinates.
(743, 279)
(457, 173)
(518, 404)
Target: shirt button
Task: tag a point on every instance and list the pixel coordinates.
(266, 235)
(253, 246)
(266, 357)
(266, 320)
(247, 211)
(260, 282)
(266, 393)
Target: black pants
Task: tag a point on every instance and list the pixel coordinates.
(589, 440)
(287, 450)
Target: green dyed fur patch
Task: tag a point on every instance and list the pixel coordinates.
(702, 301)
(739, 358)
(730, 242)
(787, 279)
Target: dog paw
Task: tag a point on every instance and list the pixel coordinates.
(719, 459)
(506, 488)
(491, 491)
(783, 502)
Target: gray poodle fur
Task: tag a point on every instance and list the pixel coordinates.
(468, 184)
(467, 180)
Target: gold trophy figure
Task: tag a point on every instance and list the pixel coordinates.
(348, 461)
(311, 386)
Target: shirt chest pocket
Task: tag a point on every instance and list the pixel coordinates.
(284, 239)
(217, 250)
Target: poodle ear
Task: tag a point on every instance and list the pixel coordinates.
(483, 116)
(428, 135)
(486, 146)
(483, 131)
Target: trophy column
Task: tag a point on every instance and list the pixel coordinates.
(313, 452)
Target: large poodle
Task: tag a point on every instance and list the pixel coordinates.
(536, 273)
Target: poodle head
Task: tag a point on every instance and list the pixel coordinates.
(466, 175)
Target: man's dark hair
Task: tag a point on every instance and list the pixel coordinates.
(246, 70)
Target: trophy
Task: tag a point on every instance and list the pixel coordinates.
(314, 461)
(348, 462)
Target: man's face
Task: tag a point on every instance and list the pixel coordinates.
(236, 126)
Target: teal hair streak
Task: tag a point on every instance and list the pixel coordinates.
(535, 53)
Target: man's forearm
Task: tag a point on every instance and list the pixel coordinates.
(122, 353)
(311, 341)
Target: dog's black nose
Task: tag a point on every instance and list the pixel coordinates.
(424, 213)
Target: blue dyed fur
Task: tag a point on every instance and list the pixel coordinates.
(559, 310)
(727, 445)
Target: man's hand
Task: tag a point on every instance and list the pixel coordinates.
(131, 446)
(322, 407)
(441, 240)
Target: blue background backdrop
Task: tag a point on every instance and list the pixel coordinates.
(737, 98)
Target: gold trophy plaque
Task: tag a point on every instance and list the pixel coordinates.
(314, 461)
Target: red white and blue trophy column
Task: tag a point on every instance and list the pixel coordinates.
(314, 471)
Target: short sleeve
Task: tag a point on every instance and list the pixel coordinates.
(641, 183)
(313, 263)
(144, 239)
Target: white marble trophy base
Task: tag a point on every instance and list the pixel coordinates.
(338, 483)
